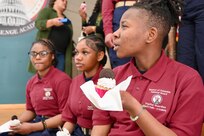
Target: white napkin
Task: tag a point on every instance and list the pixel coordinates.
(111, 101)
(5, 127)
(64, 132)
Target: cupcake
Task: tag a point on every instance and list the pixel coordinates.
(105, 82)
(14, 121)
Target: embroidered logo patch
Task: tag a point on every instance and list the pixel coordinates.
(157, 99)
(48, 94)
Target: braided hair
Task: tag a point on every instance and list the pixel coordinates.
(162, 13)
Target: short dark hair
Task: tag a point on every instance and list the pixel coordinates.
(162, 13)
(51, 3)
(50, 46)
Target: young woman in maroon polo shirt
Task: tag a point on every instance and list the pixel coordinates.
(164, 98)
(89, 59)
(46, 93)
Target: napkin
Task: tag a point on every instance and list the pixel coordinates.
(5, 127)
(111, 101)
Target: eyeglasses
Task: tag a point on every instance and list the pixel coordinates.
(42, 54)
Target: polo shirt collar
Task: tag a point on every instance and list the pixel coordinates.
(96, 76)
(155, 72)
(47, 75)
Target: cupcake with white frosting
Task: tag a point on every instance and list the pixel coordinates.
(105, 82)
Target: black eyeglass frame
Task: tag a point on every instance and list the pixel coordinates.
(41, 54)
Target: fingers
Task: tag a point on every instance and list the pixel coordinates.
(56, 21)
(15, 129)
(109, 40)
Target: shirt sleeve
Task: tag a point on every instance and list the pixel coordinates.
(101, 117)
(41, 20)
(63, 93)
(187, 119)
(107, 14)
(29, 105)
(67, 114)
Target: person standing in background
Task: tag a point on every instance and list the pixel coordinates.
(46, 94)
(54, 25)
(170, 43)
(190, 49)
(94, 24)
(112, 11)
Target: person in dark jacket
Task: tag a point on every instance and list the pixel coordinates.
(190, 49)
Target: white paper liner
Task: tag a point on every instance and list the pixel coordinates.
(111, 101)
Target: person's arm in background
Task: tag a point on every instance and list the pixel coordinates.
(83, 16)
(107, 14)
(171, 45)
(85, 26)
(44, 22)
(91, 26)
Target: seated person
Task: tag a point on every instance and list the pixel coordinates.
(46, 94)
(165, 97)
(89, 59)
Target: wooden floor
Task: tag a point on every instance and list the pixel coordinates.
(202, 134)
(8, 110)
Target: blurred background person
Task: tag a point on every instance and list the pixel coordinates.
(112, 11)
(55, 26)
(191, 42)
(94, 25)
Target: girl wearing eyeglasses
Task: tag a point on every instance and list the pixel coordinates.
(46, 93)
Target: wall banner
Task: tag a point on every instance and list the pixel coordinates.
(18, 16)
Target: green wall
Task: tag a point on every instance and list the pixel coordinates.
(13, 67)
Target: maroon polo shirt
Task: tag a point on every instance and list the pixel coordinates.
(78, 108)
(172, 92)
(48, 96)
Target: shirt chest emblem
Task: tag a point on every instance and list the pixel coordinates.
(48, 94)
(157, 99)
